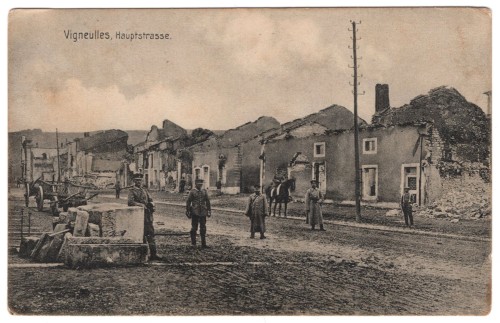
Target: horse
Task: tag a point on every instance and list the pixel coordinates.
(279, 194)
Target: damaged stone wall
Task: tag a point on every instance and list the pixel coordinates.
(467, 196)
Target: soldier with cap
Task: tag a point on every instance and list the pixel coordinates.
(314, 200)
(138, 196)
(198, 209)
(257, 210)
(406, 207)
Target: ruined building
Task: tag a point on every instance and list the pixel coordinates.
(426, 146)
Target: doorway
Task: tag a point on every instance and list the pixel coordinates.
(319, 174)
(409, 179)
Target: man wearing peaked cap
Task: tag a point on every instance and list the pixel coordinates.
(198, 209)
(138, 196)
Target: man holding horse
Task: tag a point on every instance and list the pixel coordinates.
(314, 200)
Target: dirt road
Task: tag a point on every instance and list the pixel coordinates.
(345, 270)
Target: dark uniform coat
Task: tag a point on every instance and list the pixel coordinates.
(138, 196)
(198, 203)
(257, 210)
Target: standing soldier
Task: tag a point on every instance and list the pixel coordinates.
(406, 207)
(118, 188)
(314, 200)
(198, 209)
(257, 210)
(138, 196)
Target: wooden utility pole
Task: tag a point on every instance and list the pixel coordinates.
(58, 160)
(356, 125)
(420, 170)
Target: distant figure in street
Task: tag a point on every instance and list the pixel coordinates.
(198, 209)
(118, 188)
(314, 201)
(139, 196)
(406, 207)
(257, 211)
(182, 185)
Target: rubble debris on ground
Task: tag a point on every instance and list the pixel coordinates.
(91, 235)
(467, 197)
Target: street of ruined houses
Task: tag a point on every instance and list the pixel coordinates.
(77, 232)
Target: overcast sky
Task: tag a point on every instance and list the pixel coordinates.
(222, 68)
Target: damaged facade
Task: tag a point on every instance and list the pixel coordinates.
(230, 162)
(279, 149)
(41, 163)
(396, 151)
(156, 156)
(99, 159)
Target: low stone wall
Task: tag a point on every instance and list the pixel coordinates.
(98, 252)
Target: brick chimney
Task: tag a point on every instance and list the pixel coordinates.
(381, 97)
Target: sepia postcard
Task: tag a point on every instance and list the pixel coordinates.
(250, 161)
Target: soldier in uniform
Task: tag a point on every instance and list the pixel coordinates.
(138, 196)
(118, 188)
(198, 209)
(257, 210)
(314, 200)
(406, 207)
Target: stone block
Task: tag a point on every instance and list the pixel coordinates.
(44, 248)
(60, 227)
(64, 248)
(82, 219)
(105, 255)
(95, 210)
(130, 222)
(27, 246)
(63, 217)
(40, 243)
(117, 220)
(93, 230)
(72, 214)
(55, 245)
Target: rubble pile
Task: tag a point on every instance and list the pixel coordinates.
(91, 235)
(468, 197)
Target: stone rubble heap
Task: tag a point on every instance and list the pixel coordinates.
(91, 235)
(466, 197)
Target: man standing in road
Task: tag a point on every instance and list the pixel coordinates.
(198, 209)
(314, 201)
(257, 210)
(118, 188)
(138, 196)
(406, 207)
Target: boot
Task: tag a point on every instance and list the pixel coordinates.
(204, 242)
(262, 236)
(193, 238)
(252, 235)
(321, 228)
(312, 227)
